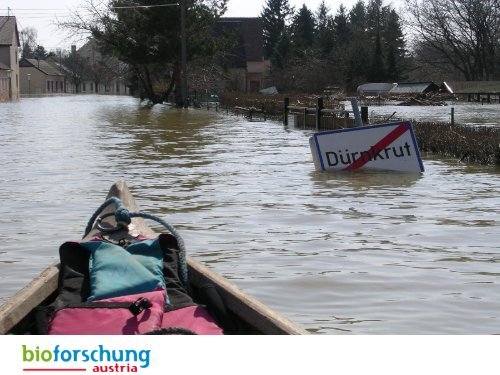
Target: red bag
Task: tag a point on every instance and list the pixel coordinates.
(127, 315)
(194, 318)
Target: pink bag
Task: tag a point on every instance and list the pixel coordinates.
(193, 318)
(127, 315)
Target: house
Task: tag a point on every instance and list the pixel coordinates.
(413, 88)
(41, 77)
(69, 86)
(245, 62)
(9, 59)
(375, 89)
(479, 91)
(104, 75)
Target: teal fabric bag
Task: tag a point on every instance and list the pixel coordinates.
(115, 271)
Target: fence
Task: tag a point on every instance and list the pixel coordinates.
(320, 118)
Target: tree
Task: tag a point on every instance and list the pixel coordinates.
(76, 67)
(282, 50)
(324, 33)
(28, 39)
(375, 18)
(303, 31)
(395, 47)
(341, 29)
(40, 53)
(459, 34)
(275, 16)
(357, 17)
(145, 34)
(358, 47)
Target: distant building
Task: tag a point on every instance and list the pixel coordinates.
(9, 63)
(103, 74)
(40, 77)
(397, 89)
(245, 62)
(488, 91)
(69, 86)
(375, 89)
(413, 88)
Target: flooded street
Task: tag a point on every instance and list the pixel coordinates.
(345, 253)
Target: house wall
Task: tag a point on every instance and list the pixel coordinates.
(41, 83)
(35, 85)
(55, 84)
(115, 87)
(9, 56)
(255, 74)
(14, 58)
(4, 86)
(250, 79)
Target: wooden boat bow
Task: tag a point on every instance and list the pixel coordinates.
(256, 316)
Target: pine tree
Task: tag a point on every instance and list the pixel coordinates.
(275, 16)
(303, 30)
(357, 48)
(357, 17)
(394, 45)
(324, 34)
(341, 29)
(375, 16)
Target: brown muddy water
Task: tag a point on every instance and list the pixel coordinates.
(346, 253)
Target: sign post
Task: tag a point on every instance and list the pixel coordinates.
(383, 147)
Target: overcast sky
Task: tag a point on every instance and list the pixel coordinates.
(40, 14)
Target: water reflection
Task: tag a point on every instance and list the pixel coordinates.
(364, 179)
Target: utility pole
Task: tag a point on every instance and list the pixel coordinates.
(183, 55)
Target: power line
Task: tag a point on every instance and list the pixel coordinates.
(147, 6)
(116, 7)
(36, 9)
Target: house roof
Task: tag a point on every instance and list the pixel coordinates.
(375, 88)
(42, 66)
(8, 28)
(414, 88)
(90, 51)
(475, 87)
(250, 40)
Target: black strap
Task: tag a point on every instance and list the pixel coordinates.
(171, 331)
(135, 307)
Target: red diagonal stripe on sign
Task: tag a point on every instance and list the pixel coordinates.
(380, 145)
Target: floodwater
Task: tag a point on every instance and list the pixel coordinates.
(345, 253)
(464, 113)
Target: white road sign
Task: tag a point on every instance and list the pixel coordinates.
(385, 147)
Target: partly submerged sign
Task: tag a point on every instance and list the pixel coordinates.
(385, 147)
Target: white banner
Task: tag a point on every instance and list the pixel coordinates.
(250, 355)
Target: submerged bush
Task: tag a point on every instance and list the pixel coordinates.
(474, 144)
